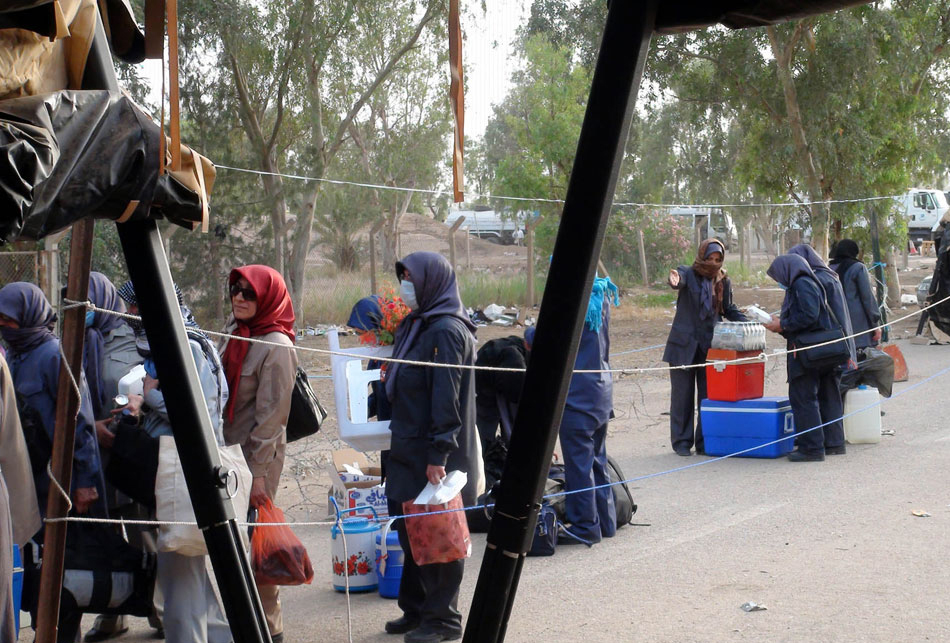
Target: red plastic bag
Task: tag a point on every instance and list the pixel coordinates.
(437, 538)
(277, 555)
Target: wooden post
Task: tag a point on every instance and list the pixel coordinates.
(67, 408)
(372, 256)
(743, 242)
(468, 248)
(529, 226)
(643, 259)
(455, 226)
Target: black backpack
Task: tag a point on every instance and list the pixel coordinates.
(623, 500)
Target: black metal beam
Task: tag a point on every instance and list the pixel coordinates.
(623, 51)
(185, 402)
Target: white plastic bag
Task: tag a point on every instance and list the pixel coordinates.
(439, 494)
(173, 504)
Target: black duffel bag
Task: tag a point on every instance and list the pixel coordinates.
(103, 574)
(306, 412)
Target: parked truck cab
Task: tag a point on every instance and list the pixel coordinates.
(923, 209)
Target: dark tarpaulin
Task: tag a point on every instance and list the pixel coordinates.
(70, 154)
(126, 39)
(674, 17)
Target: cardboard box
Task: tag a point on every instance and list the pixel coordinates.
(356, 489)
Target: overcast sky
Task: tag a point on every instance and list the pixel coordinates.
(486, 50)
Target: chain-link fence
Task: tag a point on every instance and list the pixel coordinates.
(21, 265)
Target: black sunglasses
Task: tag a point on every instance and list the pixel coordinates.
(249, 294)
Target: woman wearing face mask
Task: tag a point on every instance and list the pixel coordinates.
(26, 324)
(705, 297)
(803, 310)
(433, 432)
(261, 382)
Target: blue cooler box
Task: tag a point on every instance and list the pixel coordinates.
(729, 427)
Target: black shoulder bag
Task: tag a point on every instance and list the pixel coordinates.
(815, 351)
(306, 412)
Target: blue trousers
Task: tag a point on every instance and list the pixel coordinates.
(815, 400)
(591, 513)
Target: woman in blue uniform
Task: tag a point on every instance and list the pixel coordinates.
(705, 297)
(829, 397)
(803, 310)
(590, 514)
(26, 323)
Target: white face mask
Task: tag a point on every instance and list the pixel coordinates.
(408, 293)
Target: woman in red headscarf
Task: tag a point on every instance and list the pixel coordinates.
(260, 382)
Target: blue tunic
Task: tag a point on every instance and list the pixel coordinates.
(36, 379)
(590, 396)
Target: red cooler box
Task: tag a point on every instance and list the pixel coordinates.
(729, 427)
(734, 382)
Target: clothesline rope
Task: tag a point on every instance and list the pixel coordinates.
(475, 196)
(657, 474)
(762, 357)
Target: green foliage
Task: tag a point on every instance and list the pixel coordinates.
(666, 242)
(531, 144)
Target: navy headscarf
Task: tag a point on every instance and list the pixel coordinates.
(846, 255)
(27, 305)
(366, 314)
(104, 295)
(437, 293)
(786, 269)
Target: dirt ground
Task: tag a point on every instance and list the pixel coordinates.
(831, 549)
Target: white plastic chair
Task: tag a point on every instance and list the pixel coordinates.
(350, 390)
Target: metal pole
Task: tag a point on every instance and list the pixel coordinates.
(590, 192)
(187, 411)
(64, 435)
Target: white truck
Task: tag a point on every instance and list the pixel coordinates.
(711, 222)
(923, 208)
(488, 224)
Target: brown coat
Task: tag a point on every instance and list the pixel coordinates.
(261, 407)
(15, 463)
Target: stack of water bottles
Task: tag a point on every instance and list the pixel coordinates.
(739, 336)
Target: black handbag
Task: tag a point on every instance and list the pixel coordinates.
(306, 412)
(823, 349)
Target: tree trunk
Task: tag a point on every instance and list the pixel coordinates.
(811, 172)
(893, 280)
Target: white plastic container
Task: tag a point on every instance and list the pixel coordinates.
(864, 427)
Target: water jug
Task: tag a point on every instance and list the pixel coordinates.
(389, 559)
(358, 562)
(864, 426)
